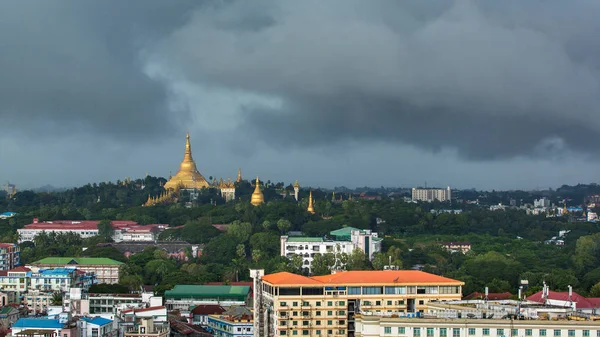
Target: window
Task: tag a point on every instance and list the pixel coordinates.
(318, 313)
(353, 290)
(471, 331)
(514, 332)
(342, 332)
(342, 303)
(318, 332)
(377, 302)
(295, 332)
(294, 304)
(294, 322)
(416, 332)
(486, 332)
(329, 322)
(500, 332)
(318, 303)
(586, 333)
(329, 303)
(294, 313)
(305, 332)
(282, 333)
(421, 302)
(395, 290)
(456, 332)
(329, 332)
(528, 332)
(305, 304)
(571, 333)
(389, 302)
(443, 332)
(401, 330)
(341, 312)
(305, 323)
(387, 330)
(329, 313)
(372, 290)
(341, 322)
(542, 332)
(429, 332)
(305, 313)
(318, 323)
(282, 304)
(556, 333)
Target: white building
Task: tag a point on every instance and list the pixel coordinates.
(431, 194)
(378, 326)
(124, 230)
(97, 327)
(541, 203)
(345, 240)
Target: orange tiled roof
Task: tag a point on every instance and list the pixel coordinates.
(288, 278)
(361, 277)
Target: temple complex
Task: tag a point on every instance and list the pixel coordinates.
(188, 176)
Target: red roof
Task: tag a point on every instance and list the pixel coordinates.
(361, 277)
(208, 309)
(221, 227)
(142, 310)
(6, 245)
(20, 270)
(491, 296)
(91, 225)
(582, 302)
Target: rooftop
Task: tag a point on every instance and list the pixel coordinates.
(361, 277)
(344, 231)
(192, 290)
(304, 239)
(97, 320)
(208, 309)
(77, 261)
(582, 302)
(28, 323)
(133, 311)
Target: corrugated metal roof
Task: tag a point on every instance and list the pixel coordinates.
(192, 290)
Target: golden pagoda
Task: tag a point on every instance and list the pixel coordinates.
(296, 184)
(239, 177)
(565, 211)
(310, 209)
(257, 196)
(188, 176)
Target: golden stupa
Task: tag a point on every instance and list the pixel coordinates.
(239, 177)
(310, 208)
(188, 176)
(257, 196)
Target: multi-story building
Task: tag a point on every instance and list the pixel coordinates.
(234, 322)
(15, 282)
(377, 326)
(344, 240)
(80, 303)
(288, 304)
(175, 249)
(541, 203)
(104, 269)
(9, 256)
(44, 327)
(182, 297)
(37, 301)
(124, 230)
(97, 327)
(199, 315)
(431, 194)
(145, 327)
(60, 280)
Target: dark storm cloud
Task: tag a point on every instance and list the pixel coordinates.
(492, 79)
(75, 66)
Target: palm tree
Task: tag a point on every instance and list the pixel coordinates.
(56, 299)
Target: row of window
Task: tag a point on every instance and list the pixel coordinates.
(317, 313)
(318, 304)
(307, 332)
(401, 290)
(317, 323)
(487, 331)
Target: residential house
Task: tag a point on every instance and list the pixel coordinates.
(97, 327)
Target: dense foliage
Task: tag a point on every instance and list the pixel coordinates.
(508, 246)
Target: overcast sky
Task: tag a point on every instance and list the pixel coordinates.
(466, 93)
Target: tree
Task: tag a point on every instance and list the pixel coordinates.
(267, 243)
(284, 225)
(266, 225)
(595, 290)
(240, 230)
(323, 263)
(56, 299)
(357, 260)
(106, 230)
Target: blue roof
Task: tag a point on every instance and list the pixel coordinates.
(57, 271)
(8, 214)
(97, 320)
(43, 323)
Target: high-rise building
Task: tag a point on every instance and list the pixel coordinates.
(287, 304)
(9, 256)
(431, 194)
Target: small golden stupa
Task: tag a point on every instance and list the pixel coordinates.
(257, 196)
(188, 176)
(239, 177)
(310, 208)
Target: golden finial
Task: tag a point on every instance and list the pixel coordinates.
(296, 185)
(257, 196)
(565, 211)
(310, 208)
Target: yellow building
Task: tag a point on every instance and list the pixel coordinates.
(188, 176)
(295, 305)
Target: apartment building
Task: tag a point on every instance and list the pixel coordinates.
(343, 240)
(378, 326)
(105, 270)
(9, 256)
(326, 305)
(431, 194)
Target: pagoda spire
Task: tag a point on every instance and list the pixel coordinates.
(310, 208)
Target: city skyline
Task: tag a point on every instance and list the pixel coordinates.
(466, 94)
